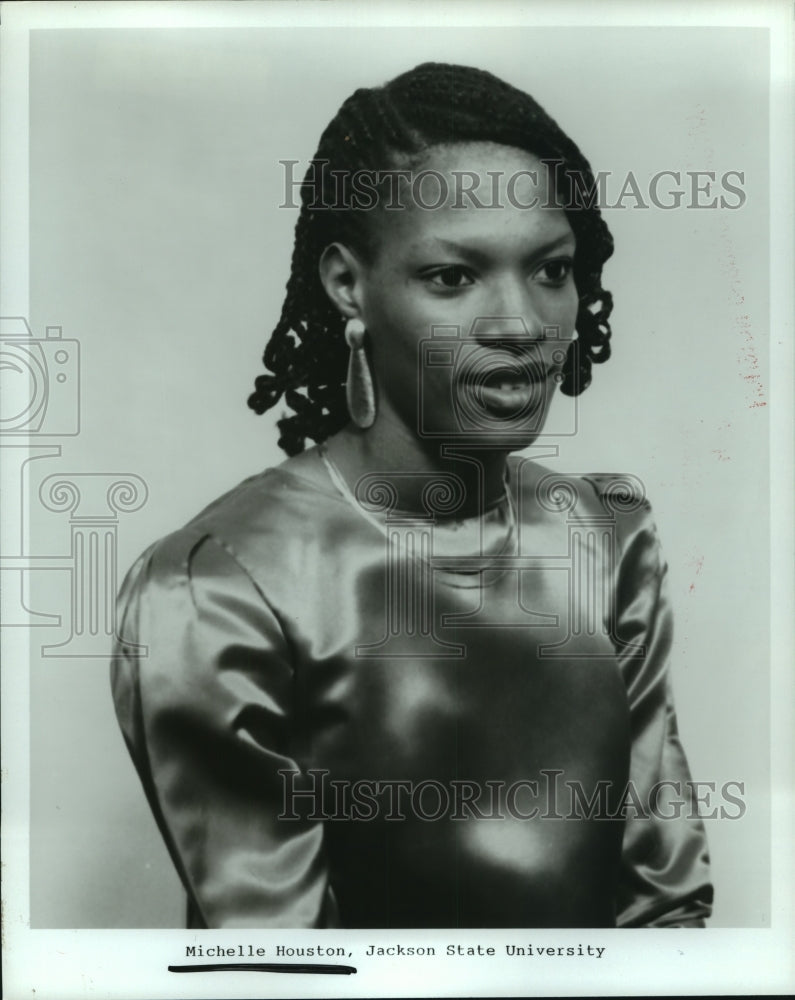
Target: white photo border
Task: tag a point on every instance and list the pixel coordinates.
(64, 964)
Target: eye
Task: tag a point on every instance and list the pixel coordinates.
(451, 276)
(556, 272)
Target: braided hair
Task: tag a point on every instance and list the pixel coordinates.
(434, 104)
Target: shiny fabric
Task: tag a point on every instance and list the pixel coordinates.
(288, 631)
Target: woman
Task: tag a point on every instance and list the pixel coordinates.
(406, 679)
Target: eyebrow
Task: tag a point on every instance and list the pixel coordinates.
(477, 255)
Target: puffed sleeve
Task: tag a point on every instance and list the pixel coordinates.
(665, 878)
(207, 716)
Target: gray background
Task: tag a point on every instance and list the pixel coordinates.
(156, 241)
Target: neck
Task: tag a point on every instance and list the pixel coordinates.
(408, 464)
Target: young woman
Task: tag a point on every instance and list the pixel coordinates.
(407, 679)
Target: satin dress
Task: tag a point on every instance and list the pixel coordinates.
(345, 715)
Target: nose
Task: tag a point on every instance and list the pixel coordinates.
(511, 332)
(513, 335)
(512, 321)
(518, 337)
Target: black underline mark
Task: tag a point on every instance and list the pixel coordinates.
(327, 970)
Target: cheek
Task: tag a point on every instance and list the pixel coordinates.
(393, 354)
(570, 308)
(395, 326)
(562, 313)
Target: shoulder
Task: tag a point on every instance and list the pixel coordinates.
(190, 591)
(252, 529)
(619, 493)
(615, 500)
(175, 574)
(197, 591)
(260, 501)
(611, 493)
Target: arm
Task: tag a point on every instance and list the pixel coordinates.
(665, 862)
(207, 717)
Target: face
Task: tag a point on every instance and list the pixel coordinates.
(470, 309)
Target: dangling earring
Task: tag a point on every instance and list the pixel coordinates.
(359, 390)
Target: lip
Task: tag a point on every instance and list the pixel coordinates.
(510, 391)
(507, 402)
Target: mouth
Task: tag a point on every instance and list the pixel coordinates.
(513, 390)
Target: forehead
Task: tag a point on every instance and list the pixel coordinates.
(479, 192)
(480, 167)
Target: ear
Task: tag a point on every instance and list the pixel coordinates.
(341, 273)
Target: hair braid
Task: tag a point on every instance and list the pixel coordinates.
(376, 129)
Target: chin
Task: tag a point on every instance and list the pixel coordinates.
(496, 438)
